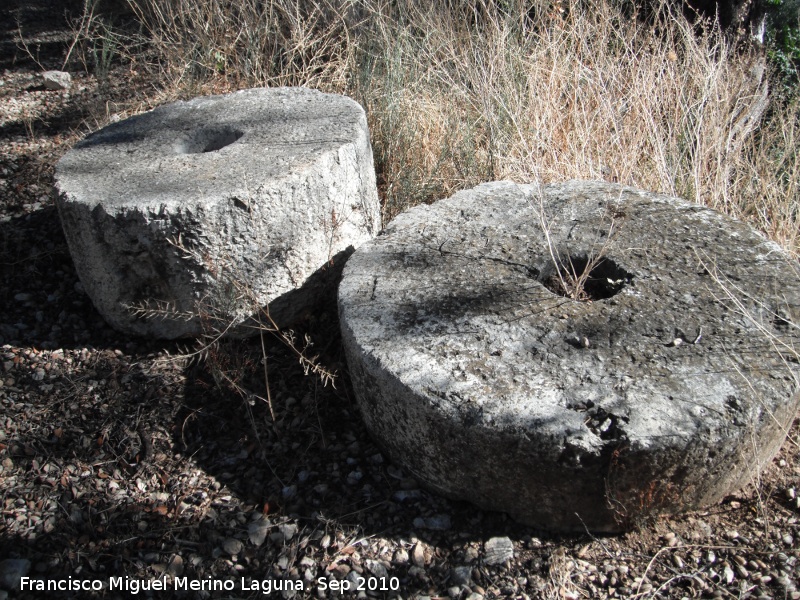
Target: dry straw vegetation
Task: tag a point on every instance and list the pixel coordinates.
(465, 91)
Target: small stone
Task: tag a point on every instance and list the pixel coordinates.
(403, 495)
(498, 550)
(12, 570)
(232, 546)
(727, 574)
(788, 539)
(418, 555)
(461, 575)
(377, 568)
(175, 566)
(400, 556)
(57, 80)
(257, 531)
(287, 530)
(354, 578)
(454, 592)
(436, 522)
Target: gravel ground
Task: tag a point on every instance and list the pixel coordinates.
(131, 464)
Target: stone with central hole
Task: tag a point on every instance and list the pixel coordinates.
(578, 355)
(190, 218)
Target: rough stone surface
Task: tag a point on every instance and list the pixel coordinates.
(498, 550)
(57, 80)
(661, 394)
(217, 205)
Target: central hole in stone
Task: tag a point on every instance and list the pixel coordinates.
(207, 140)
(220, 139)
(586, 278)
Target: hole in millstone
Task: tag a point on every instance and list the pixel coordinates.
(222, 139)
(207, 140)
(586, 278)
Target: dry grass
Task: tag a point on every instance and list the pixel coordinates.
(463, 92)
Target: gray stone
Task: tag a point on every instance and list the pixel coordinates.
(434, 522)
(257, 531)
(12, 570)
(498, 550)
(232, 546)
(461, 575)
(476, 372)
(196, 213)
(57, 80)
(376, 568)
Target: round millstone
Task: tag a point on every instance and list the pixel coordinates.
(658, 384)
(197, 213)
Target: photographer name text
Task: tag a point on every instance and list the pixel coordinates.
(265, 586)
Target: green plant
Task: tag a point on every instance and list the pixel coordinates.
(783, 41)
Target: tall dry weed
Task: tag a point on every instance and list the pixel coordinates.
(466, 91)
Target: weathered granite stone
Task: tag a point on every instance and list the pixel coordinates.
(198, 212)
(57, 80)
(663, 390)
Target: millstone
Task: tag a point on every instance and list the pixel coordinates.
(657, 385)
(197, 213)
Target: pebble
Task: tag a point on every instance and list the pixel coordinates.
(418, 555)
(400, 556)
(377, 568)
(354, 578)
(56, 80)
(175, 566)
(471, 554)
(232, 546)
(498, 550)
(461, 575)
(257, 531)
(727, 574)
(12, 570)
(435, 523)
(287, 530)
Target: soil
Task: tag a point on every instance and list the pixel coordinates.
(137, 460)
